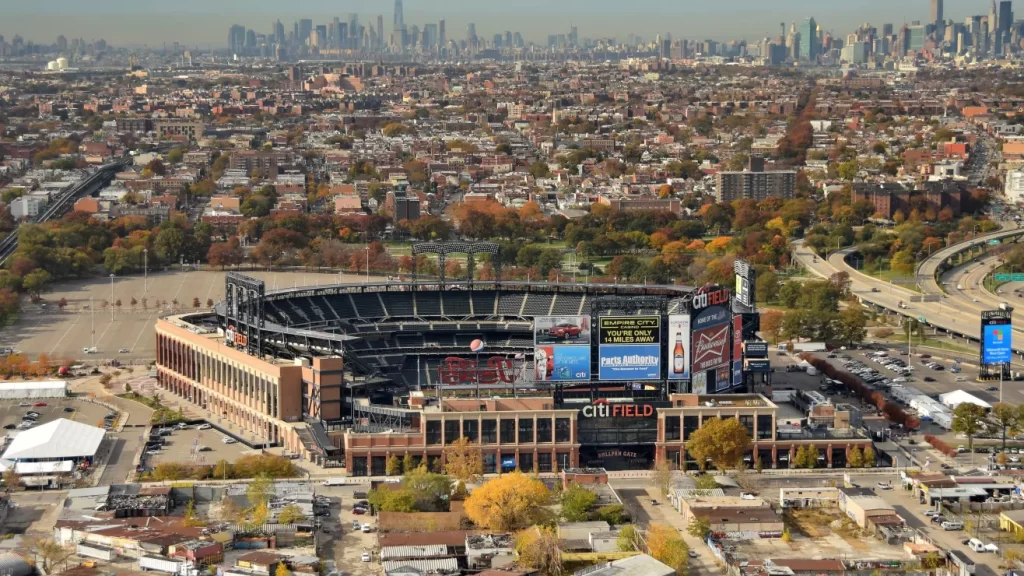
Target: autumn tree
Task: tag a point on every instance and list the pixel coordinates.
(282, 570)
(663, 477)
(771, 324)
(196, 303)
(463, 460)
(722, 442)
(969, 420)
(393, 466)
(666, 545)
(538, 548)
(12, 480)
(508, 503)
(48, 550)
(869, 457)
(856, 458)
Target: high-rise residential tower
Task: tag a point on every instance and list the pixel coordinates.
(809, 46)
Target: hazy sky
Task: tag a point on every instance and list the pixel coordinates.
(205, 22)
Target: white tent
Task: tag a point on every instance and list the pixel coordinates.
(34, 389)
(958, 397)
(61, 439)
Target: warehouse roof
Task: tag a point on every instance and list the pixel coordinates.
(61, 438)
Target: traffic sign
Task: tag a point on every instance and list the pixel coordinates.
(1016, 277)
(922, 320)
(993, 242)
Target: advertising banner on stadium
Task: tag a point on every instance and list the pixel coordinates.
(699, 383)
(997, 341)
(710, 348)
(722, 378)
(679, 347)
(560, 363)
(737, 372)
(630, 362)
(561, 330)
(629, 348)
(737, 337)
(755, 350)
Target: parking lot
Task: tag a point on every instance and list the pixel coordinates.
(184, 446)
(12, 411)
(93, 318)
(346, 545)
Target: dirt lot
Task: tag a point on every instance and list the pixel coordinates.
(43, 328)
(180, 445)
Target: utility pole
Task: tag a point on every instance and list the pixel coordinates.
(92, 316)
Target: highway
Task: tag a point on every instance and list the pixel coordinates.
(957, 313)
(63, 203)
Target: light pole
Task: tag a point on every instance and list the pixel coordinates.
(92, 316)
(111, 297)
(145, 270)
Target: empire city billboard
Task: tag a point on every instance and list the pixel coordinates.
(629, 348)
(997, 341)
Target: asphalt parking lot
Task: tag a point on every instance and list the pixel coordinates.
(180, 447)
(11, 411)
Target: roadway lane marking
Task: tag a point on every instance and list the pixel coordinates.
(66, 332)
(145, 328)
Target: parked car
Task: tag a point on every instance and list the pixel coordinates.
(367, 529)
(203, 427)
(365, 557)
(359, 511)
(123, 351)
(39, 404)
(69, 409)
(228, 440)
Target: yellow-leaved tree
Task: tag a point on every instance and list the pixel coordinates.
(463, 460)
(723, 442)
(666, 545)
(511, 502)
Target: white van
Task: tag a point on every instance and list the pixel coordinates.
(976, 545)
(952, 525)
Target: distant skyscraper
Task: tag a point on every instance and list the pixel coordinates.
(442, 37)
(399, 16)
(236, 39)
(809, 46)
(936, 12)
(471, 33)
(279, 32)
(305, 29)
(353, 30)
(1005, 16)
(380, 31)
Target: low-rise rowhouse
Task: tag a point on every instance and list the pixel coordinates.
(1012, 521)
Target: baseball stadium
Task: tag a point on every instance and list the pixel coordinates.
(543, 376)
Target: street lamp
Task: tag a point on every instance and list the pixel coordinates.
(111, 297)
(145, 270)
(92, 316)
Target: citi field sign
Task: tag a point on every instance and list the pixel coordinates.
(603, 409)
(708, 296)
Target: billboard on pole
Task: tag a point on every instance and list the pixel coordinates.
(997, 341)
(679, 347)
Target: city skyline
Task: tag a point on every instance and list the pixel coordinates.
(201, 24)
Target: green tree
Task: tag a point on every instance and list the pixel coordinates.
(706, 482)
(408, 464)
(175, 155)
(723, 442)
(629, 538)
(767, 286)
(1006, 417)
(848, 170)
(577, 502)
(260, 490)
(969, 420)
(290, 514)
(699, 527)
(852, 325)
(390, 498)
(36, 282)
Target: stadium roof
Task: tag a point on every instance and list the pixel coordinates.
(59, 439)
